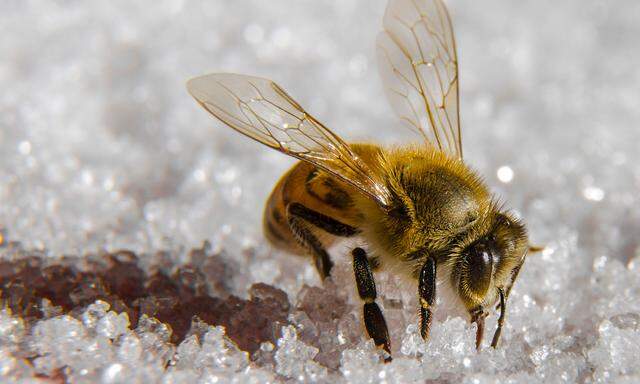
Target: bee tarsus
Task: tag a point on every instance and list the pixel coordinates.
(373, 318)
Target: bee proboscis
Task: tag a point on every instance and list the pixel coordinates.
(421, 210)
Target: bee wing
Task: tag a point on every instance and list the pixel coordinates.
(263, 111)
(419, 67)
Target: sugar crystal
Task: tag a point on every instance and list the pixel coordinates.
(103, 150)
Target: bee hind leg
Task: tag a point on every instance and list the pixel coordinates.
(373, 319)
(300, 217)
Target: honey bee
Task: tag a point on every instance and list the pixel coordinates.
(421, 210)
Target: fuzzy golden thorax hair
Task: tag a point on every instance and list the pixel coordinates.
(440, 208)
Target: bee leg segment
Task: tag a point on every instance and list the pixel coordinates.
(308, 240)
(321, 221)
(514, 276)
(300, 217)
(503, 310)
(427, 295)
(477, 316)
(373, 319)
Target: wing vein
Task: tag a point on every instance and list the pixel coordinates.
(261, 110)
(417, 48)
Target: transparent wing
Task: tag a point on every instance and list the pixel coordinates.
(260, 109)
(419, 68)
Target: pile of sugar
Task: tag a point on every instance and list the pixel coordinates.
(102, 149)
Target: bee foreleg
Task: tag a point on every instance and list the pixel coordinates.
(321, 221)
(373, 319)
(503, 310)
(514, 276)
(427, 295)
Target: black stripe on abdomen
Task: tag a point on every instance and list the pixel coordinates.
(336, 197)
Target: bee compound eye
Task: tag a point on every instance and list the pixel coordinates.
(480, 260)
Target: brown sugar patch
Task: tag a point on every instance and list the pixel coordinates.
(194, 291)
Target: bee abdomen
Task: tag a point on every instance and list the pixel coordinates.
(275, 226)
(327, 191)
(318, 192)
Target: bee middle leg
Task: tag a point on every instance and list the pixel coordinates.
(427, 295)
(373, 319)
(300, 217)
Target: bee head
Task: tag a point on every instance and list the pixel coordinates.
(487, 260)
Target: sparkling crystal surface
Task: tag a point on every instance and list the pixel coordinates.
(130, 221)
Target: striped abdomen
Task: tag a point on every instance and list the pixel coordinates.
(314, 189)
(318, 191)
